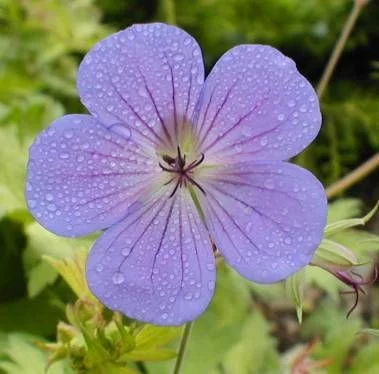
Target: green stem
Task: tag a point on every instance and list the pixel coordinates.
(339, 46)
(169, 11)
(182, 348)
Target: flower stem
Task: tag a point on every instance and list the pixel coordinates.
(354, 177)
(169, 11)
(183, 346)
(339, 46)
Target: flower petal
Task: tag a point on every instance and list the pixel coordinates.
(147, 77)
(266, 218)
(82, 177)
(156, 265)
(256, 104)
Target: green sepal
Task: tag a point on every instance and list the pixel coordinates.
(295, 290)
(344, 224)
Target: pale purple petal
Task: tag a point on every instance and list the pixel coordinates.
(147, 77)
(266, 218)
(256, 105)
(82, 177)
(156, 265)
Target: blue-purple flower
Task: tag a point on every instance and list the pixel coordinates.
(173, 167)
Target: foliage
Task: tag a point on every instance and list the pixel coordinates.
(247, 328)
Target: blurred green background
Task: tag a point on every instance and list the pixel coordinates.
(248, 328)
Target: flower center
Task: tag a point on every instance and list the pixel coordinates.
(182, 173)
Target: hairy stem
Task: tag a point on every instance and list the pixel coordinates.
(354, 177)
(339, 46)
(169, 11)
(182, 348)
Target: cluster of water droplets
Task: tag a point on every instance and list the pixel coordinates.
(160, 267)
(81, 174)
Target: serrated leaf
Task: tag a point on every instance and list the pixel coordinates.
(72, 271)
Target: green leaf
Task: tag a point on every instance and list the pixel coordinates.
(338, 333)
(36, 316)
(366, 360)
(13, 156)
(148, 355)
(255, 351)
(153, 336)
(20, 355)
(44, 243)
(72, 271)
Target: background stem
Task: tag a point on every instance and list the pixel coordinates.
(182, 348)
(339, 47)
(169, 11)
(354, 177)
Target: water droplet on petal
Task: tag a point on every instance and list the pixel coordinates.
(49, 197)
(122, 130)
(264, 141)
(32, 203)
(118, 278)
(68, 134)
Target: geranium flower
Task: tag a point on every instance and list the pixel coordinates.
(174, 167)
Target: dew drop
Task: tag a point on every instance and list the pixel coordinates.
(288, 240)
(280, 117)
(68, 134)
(269, 183)
(99, 268)
(121, 130)
(264, 141)
(291, 103)
(210, 266)
(51, 207)
(118, 278)
(49, 197)
(64, 156)
(32, 203)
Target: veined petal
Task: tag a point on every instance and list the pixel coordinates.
(82, 177)
(147, 77)
(255, 104)
(157, 264)
(266, 218)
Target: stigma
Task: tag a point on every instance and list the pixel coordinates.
(182, 174)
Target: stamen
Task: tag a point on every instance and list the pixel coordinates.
(177, 166)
